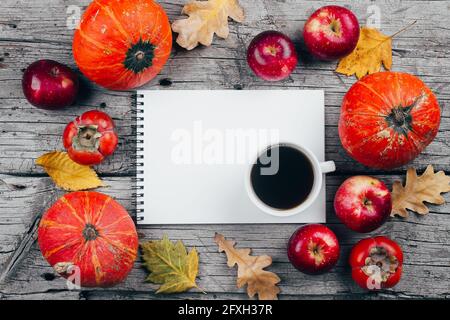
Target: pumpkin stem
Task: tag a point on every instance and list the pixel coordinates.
(63, 267)
(140, 56)
(399, 117)
(400, 120)
(90, 232)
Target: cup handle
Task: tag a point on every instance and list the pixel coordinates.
(327, 167)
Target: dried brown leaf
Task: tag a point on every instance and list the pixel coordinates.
(250, 270)
(417, 190)
(205, 19)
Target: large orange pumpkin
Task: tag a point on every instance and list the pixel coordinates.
(90, 237)
(387, 119)
(122, 44)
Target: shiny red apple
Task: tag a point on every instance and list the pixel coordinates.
(48, 84)
(313, 249)
(363, 203)
(331, 33)
(272, 56)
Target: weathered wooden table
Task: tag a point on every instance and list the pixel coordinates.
(32, 30)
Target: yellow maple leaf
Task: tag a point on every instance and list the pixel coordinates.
(417, 190)
(250, 270)
(205, 19)
(170, 265)
(372, 50)
(68, 174)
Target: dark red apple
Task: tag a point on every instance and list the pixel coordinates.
(48, 84)
(313, 249)
(331, 33)
(363, 203)
(272, 56)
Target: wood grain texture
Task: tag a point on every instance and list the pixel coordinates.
(31, 30)
(424, 239)
(34, 30)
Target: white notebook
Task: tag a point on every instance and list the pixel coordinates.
(195, 147)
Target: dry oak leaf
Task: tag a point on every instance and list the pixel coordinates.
(170, 265)
(250, 270)
(205, 19)
(372, 50)
(68, 174)
(417, 190)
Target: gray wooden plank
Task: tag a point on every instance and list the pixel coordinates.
(32, 30)
(22, 201)
(424, 239)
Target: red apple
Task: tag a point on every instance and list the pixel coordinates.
(48, 84)
(363, 203)
(272, 56)
(313, 249)
(331, 33)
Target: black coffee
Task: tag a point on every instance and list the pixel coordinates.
(288, 187)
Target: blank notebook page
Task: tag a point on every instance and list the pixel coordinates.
(197, 147)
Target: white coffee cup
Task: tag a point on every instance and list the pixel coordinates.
(319, 169)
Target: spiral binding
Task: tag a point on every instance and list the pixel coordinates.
(138, 180)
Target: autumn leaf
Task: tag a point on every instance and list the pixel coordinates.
(372, 50)
(170, 265)
(68, 174)
(417, 190)
(205, 19)
(250, 270)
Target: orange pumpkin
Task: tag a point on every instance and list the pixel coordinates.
(88, 236)
(122, 44)
(388, 119)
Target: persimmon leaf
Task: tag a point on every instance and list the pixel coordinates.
(170, 265)
(68, 174)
